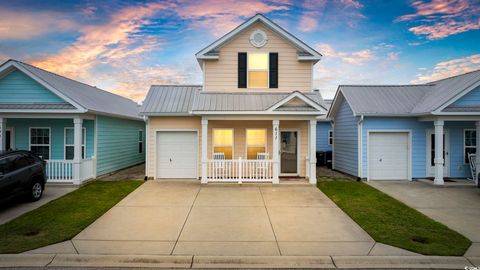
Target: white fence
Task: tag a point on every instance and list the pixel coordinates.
(240, 170)
(63, 171)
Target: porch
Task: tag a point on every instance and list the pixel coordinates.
(64, 141)
(246, 150)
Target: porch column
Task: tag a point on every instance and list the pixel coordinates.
(438, 152)
(477, 137)
(204, 150)
(77, 149)
(276, 151)
(3, 133)
(313, 158)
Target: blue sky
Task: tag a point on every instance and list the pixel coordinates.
(125, 46)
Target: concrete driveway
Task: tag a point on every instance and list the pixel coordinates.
(458, 207)
(186, 218)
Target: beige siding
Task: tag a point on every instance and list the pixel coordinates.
(221, 75)
(171, 123)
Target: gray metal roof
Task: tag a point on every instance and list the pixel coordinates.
(37, 106)
(89, 97)
(170, 99)
(406, 99)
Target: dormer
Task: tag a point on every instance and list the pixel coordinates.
(258, 56)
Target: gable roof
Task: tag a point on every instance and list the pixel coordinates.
(164, 100)
(405, 100)
(84, 97)
(305, 52)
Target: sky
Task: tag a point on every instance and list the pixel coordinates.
(126, 46)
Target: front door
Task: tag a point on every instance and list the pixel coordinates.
(431, 153)
(289, 152)
(9, 139)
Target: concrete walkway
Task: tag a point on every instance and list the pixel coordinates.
(19, 206)
(458, 207)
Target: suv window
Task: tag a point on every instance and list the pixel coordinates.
(21, 162)
(6, 165)
(30, 159)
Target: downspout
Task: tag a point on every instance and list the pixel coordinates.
(332, 123)
(145, 119)
(360, 146)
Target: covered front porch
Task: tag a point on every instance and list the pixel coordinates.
(257, 149)
(65, 141)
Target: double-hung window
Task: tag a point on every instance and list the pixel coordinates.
(470, 143)
(40, 142)
(70, 143)
(223, 142)
(257, 70)
(140, 141)
(256, 142)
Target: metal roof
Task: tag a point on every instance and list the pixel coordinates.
(406, 99)
(170, 99)
(37, 106)
(89, 97)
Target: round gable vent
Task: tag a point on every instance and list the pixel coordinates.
(258, 38)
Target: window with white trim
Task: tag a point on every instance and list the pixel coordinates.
(223, 142)
(257, 64)
(256, 142)
(70, 143)
(140, 141)
(40, 142)
(330, 137)
(469, 143)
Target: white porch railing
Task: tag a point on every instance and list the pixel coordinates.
(240, 170)
(63, 171)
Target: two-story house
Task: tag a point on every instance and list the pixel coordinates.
(253, 119)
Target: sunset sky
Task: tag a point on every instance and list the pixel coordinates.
(125, 46)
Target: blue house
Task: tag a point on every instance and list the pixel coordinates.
(81, 131)
(403, 132)
(324, 131)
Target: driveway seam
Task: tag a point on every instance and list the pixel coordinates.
(186, 219)
(271, 225)
(53, 258)
(74, 247)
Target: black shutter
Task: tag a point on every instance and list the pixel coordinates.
(242, 70)
(273, 70)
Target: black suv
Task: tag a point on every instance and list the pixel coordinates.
(21, 173)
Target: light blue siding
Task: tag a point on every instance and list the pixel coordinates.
(346, 140)
(17, 87)
(471, 99)
(419, 139)
(117, 144)
(57, 132)
(322, 136)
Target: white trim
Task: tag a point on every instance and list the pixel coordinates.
(446, 160)
(305, 113)
(258, 117)
(360, 147)
(464, 146)
(298, 151)
(84, 145)
(49, 116)
(259, 17)
(147, 149)
(233, 141)
(300, 96)
(95, 145)
(456, 97)
(409, 150)
(246, 141)
(49, 140)
(12, 137)
(155, 176)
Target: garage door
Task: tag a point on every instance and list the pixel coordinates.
(388, 156)
(177, 154)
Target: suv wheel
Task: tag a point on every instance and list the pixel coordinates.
(36, 191)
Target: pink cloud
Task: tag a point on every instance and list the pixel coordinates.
(444, 29)
(219, 17)
(355, 57)
(450, 68)
(308, 23)
(392, 56)
(25, 25)
(436, 7)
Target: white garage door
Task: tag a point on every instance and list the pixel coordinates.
(388, 156)
(177, 154)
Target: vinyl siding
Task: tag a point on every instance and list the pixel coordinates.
(346, 140)
(471, 99)
(57, 132)
(117, 144)
(221, 74)
(322, 136)
(419, 140)
(17, 87)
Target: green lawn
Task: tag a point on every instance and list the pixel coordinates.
(63, 218)
(391, 222)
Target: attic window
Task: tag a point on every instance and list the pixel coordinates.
(258, 70)
(258, 38)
